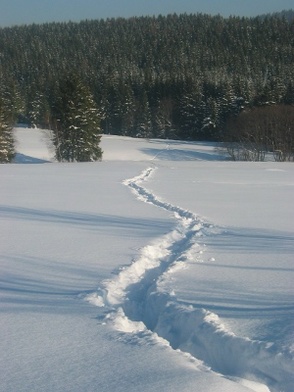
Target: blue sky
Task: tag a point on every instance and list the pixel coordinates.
(15, 12)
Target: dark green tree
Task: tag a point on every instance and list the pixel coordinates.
(143, 117)
(9, 107)
(76, 122)
(6, 136)
(39, 111)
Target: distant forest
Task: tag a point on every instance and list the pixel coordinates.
(176, 76)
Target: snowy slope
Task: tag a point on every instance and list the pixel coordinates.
(155, 269)
(33, 145)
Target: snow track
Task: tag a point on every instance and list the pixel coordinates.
(137, 301)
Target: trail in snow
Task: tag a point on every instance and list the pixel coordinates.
(139, 302)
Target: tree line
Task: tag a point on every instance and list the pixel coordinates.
(176, 76)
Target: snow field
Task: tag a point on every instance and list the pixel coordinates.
(138, 294)
(186, 301)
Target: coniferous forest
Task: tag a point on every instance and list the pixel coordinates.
(176, 76)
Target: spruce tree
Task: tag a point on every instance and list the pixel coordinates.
(77, 123)
(6, 137)
(6, 140)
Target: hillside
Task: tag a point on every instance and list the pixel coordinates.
(176, 76)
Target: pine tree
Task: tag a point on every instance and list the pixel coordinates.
(6, 137)
(39, 111)
(6, 121)
(143, 117)
(162, 119)
(77, 123)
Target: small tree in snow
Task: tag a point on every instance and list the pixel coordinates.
(6, 140)
(77, 123)
(6, 137)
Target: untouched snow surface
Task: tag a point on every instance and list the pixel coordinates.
(163, 267)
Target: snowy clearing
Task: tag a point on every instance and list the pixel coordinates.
(163, 267)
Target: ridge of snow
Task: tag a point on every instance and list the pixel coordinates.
(137, 301)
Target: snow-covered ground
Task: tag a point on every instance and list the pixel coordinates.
(163, 267)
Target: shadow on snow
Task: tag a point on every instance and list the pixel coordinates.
(21, 158)
(138, 226)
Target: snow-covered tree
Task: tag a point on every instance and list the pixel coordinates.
(6, 137)
(39, 111)
(77, 123)
(162, 119)
(143, 117)
(6, 140)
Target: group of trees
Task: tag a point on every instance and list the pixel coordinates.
(260, 131)
(176, 76)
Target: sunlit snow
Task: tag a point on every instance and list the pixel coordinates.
(162, 268)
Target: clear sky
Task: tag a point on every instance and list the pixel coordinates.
(16, 12)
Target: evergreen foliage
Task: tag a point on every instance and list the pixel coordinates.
(76, 123)
(179, 76)
(6, 121)
(6, 139)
